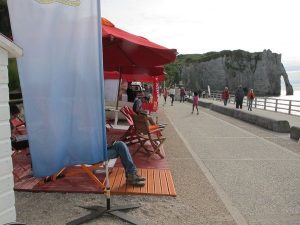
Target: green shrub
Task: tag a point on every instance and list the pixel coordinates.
(13, 75)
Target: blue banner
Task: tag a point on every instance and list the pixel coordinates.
(62, 81)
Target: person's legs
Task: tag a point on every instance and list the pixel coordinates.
(119, 148)
(237, 104)
(225, 102)
(241, 104)
(250, 104)
(197, 109)
(172, 99)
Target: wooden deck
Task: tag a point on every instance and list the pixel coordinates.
(159, 179)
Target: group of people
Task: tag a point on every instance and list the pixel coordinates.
(239, 97)
(171, 93)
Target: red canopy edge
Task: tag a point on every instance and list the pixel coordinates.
(114, 75)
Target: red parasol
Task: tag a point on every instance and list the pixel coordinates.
(121, 48)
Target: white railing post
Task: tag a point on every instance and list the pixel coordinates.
(290, 106)
(265, 103)
(276, 104)
(255, 102)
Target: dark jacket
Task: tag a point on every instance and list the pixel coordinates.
(239, 94)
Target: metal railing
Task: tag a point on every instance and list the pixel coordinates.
(291, 107)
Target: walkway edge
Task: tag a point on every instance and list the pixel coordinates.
(235, 213)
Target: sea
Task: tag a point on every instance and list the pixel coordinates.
(294, 78)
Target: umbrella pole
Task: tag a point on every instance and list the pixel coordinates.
(120, 77)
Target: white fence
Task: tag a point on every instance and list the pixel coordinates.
(291, 107)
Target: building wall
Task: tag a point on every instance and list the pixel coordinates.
(7, 197)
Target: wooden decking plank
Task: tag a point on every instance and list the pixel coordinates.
(144, 173)
(118, 180)
(150, 181)
(170, 183)
(122, 184)
(163, 181)
(157, 185)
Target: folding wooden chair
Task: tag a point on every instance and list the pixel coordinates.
(96, 172)
(130, 135)
(148, 134)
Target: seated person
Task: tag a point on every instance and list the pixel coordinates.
(137, 108)
(137, 105)
(119, 148)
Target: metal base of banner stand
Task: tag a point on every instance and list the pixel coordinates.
(98, 211)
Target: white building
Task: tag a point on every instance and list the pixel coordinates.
(7, 197)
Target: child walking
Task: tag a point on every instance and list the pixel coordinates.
(195, 102)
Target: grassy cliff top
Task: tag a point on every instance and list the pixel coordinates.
(197, 58)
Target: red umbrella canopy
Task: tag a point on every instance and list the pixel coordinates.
(121, 48)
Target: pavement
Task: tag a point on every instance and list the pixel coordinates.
(254, 172)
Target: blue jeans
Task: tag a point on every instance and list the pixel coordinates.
(119, 148)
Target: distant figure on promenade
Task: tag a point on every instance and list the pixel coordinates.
(172, 94)
(225, 95)
(250, 98)
(190, 94)
(165, 94)
(130, 93)
(239, 97)
(195, 102)
(182, 94)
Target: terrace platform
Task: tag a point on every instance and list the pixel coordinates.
(156, 170)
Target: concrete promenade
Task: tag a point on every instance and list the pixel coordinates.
(254, 171)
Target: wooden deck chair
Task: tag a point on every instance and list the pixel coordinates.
(130, 135)
(146, 133)
(93, 171)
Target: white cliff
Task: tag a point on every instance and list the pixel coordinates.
(261, 71)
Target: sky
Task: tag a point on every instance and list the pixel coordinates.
(200, 26)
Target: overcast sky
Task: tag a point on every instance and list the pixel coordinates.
(200, 26)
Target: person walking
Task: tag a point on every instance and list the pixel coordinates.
(172, 94)
(195, 102)
(182, 94)
(250, 98)
(165, 94)
(225, 96)
(190, 94)
(239, 97)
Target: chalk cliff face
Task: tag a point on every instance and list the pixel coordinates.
(261, 71)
